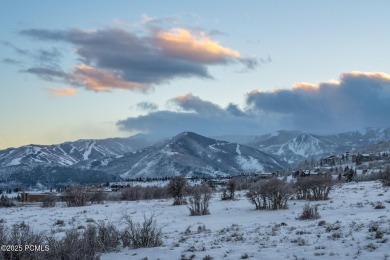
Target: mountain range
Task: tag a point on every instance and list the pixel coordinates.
(191, 155)
(70, 153)
(187, 154)
(293, 147)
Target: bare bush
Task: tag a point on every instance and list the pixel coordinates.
(314, 187)
(229, 192)
(272, 194)
(199, 202)
(373, 176)
(49, 201)
(6, 202)
(131, 193)
(155, 192)
(75, 196)
(309, 213)
(177, 189)
(379, 205)
(108, 237)
(97, 197)
(385, 177)
(20, 234)
(137, 235)
(73, 245)
(144, 193)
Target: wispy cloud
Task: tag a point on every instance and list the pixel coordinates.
(61, 92)
(147, 106)
(48, 58)
(115, 58)
(11, 61)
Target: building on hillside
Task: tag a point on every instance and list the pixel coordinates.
(331, 160)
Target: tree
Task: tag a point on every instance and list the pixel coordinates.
(177, 189)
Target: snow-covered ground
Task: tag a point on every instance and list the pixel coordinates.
(353, 229)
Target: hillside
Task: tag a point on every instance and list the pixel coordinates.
(293, 147)
(190, 154)
(70, 153)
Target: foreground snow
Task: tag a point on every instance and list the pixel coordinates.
(234, 229)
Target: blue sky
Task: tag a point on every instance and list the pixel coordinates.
(96, 69)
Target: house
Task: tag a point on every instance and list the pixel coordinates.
(359, 158)
(331, 160)
(34, 196)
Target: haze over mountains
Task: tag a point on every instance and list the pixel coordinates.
(187, 154)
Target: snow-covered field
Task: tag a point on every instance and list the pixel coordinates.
(349, 227)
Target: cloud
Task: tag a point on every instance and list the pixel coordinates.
(356, 100)
(182, 44)
(51, 56)
(18, 51)
(194, 104)
(147, 106)
(101, 80)
(115, 58)
(41, 57)
(61, 92)
(51, 74)
(201, 116)
(11, 61)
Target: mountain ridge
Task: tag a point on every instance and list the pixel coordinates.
(190, 154)
(286, 147)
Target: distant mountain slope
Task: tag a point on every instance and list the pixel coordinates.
(292, 147)
(190, 154)
(187, 154)
(70, 153)
(377, 148)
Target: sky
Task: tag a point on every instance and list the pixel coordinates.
(74, 70)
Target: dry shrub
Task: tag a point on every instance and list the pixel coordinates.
(137, 235)
(75, 196)
(309, 213)
(177, 189)
(385, 177)
(49, 201)
(314, 187)
(97, 197)
(229, 192)
(134, 193)
(76, 244)
(6, 202)
(199, 202)
(19, 234)
(271, 194)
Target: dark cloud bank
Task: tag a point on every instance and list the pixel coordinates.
(116, 58)
(357, 100)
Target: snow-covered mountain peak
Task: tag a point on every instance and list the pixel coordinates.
(191, 154)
